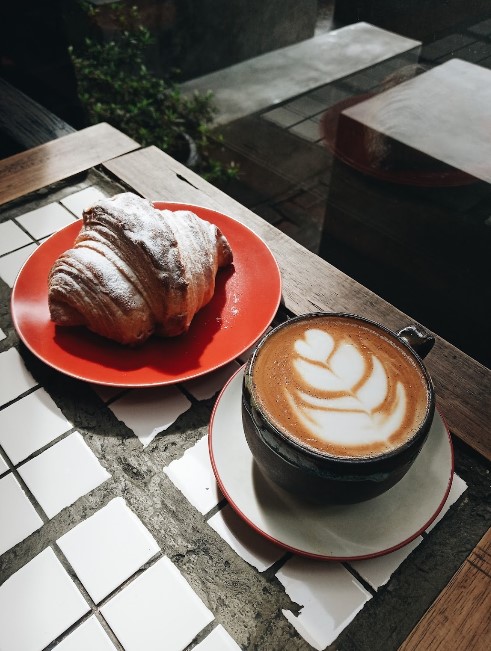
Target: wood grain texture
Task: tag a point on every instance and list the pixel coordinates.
(460, 617)
(463, 386)
(59, 159)
(26, 121)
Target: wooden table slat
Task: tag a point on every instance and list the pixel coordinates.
(463, 385)
(460, 616)
(59, 159)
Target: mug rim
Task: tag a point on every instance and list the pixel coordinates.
(325, 456)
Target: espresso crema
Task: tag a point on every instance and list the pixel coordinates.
(341, 386)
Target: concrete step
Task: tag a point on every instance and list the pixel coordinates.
(272, 78)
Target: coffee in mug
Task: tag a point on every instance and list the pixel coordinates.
(340, 385)
(336, 407)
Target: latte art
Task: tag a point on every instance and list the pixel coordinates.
(356, 406)
(340, 386)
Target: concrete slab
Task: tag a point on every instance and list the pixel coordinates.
(271, 78)
(438, 113)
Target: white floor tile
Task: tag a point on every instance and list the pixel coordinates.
(108, 548)
(157, 610)
(193, 475)
(107, 393)
(63, 473)
(38, 603)
(45, 220)
(20, 380)
(29, 424)
(3, 465)
(150, 411)
(329, 594)
(89, 636)
(2, 334)
(458, 488)
(207, 386)
(218, 640)
(11, 264)
(377, 571)
(12, 237)
(249, 545)
(18, 518)
(79, 201)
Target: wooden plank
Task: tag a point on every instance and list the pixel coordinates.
(460, 616)
(59, 159)
(310, 284)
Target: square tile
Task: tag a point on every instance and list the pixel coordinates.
(18, 518)
(308, 130)
(38, 603)
(329, 595)
(106, 392)
(45, 220)
(3, 465)
(63, 473)
(218, 640)
(306, 106)
(377, 571)
(458, 488)
(194, 477)
(282, 116)
(29, 424)
(81, 200)
(249, 545)
(20, 380)
(158, 605)
(150, 411)
(12, 237)
(210, 384)
(107, 548)
(11, 264)
(89, 636)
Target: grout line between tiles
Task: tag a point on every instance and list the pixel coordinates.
(35, 504)
(22, 395)
(36, 453)
(108, 630)
(360, 579)
(216, 509)
(54, 643)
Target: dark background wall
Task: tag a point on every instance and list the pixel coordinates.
(418, 19)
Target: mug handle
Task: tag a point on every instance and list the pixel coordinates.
(418, 339)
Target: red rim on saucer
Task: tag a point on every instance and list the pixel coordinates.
(246, 299)
(338, 532)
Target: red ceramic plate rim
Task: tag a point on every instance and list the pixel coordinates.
(246, 299)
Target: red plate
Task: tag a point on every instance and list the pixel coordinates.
(246, 298)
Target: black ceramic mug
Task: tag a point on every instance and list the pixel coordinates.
(336, 407)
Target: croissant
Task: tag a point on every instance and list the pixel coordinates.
(134, 270)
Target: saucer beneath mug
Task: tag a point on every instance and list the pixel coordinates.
(334, 532)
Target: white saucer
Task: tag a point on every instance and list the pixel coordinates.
(346, 532)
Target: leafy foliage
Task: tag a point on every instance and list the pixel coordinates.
(116, 86)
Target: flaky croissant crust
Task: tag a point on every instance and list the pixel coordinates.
(134, 270)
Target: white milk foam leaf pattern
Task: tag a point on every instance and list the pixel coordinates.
(343, 387)
(350, 418)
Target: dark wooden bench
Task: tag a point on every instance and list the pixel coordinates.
(24, 123)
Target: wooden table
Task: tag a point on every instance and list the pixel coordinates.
(438, 598)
